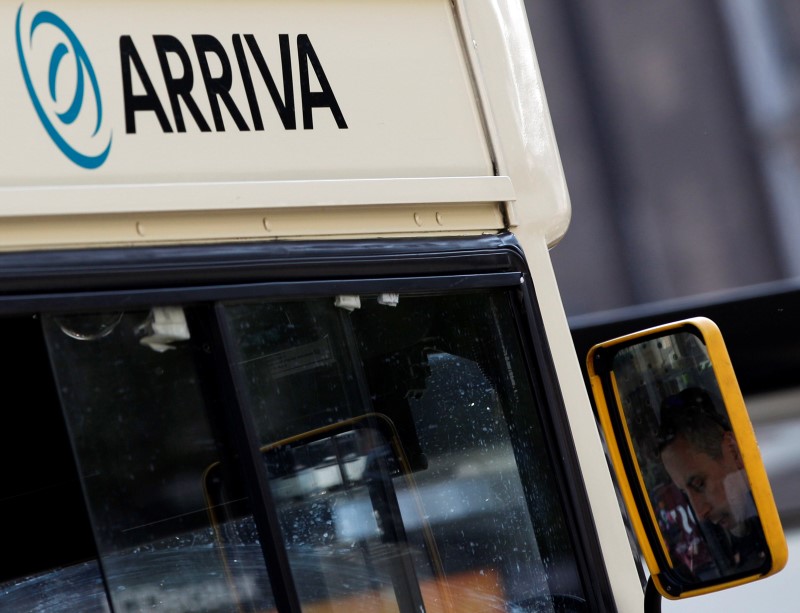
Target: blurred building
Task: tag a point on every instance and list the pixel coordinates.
(679, 129)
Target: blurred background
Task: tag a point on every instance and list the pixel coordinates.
(679, 129)
(678, 125)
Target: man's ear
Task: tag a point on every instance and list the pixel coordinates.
(730, 445)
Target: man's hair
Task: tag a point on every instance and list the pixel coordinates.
(691, 414)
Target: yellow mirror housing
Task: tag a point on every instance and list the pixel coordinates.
(686, 458)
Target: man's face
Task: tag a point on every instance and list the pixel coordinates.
(717, 488)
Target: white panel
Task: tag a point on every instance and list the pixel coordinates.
(395, 68)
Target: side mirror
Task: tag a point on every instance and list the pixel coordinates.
(686, 458)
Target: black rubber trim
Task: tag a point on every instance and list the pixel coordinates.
(231, 263)
(581, 522)
(271, 290)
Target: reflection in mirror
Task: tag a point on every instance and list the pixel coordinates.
(689, 459)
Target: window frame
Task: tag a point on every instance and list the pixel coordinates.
(68, 281)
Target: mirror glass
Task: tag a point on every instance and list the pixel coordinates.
(688, 460)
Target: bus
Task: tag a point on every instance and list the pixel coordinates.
(283, 332)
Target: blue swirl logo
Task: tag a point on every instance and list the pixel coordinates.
(73, 118)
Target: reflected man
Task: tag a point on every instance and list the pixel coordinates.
(701, 456)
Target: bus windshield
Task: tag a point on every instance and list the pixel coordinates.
(400, 436)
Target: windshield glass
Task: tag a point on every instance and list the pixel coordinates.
(400, 438)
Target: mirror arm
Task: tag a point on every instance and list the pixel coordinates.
(652, 599)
